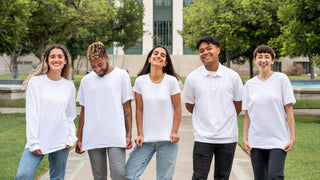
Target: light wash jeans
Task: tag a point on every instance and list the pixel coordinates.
(30, 162)
(140, 157)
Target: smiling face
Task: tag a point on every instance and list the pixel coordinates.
(209, 54)
(158, 57)
(56, 59)
(264, 61)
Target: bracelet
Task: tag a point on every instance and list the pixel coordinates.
(129, 135)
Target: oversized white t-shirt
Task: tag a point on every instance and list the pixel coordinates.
(214, 114)
(265, 103)
(157, 118)
(50, 114)
(102, 98)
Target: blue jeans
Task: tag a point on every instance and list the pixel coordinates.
(29, 163)
(140, 157)
(268, 164)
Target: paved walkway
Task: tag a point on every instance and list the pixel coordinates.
(78, 167)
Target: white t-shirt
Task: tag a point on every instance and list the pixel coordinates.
(214, 114)
(158, 109)
(265, 103)
(102, 98)
(50, 114)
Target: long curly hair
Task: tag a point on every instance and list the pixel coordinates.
(43, 67)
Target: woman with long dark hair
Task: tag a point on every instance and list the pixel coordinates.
(158, 114)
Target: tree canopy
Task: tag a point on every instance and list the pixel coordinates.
(240, 25)
(300, 30)
(74, 23)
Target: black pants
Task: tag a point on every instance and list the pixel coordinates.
(202, 158)
(268, 164)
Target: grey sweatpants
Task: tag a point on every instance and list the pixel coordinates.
(98, 161)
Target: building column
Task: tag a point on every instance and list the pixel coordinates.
(147, 43)
(177, 23)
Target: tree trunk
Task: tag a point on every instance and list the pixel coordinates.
(311, 68)
(14, 63)
(251, 67)
(39, 48)
(73, 58)
(228, 58)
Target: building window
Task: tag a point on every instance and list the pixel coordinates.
(163, 34)
(187, 3)
(137, 49)
(276, 66)
(162, 2)
(305, 66)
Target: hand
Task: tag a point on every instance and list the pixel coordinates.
(289, 146)
(246, 145)
(37, 152)
(68, 146)
(129, 143)
(174, 138)
(139, 141)
(78, 147)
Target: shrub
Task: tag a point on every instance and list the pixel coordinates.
(295, 70)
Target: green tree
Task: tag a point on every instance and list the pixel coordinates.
(221, 19)
(49, 19)
(300, 32)
(92, 21)
(13, 30)
(240, 25)
(97, 20)
(261, 24)
(127, 28)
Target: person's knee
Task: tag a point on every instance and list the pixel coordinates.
(198, 176)
(23, 176)
(118, 173)
(275, 175)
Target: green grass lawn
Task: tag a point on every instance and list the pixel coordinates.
(301, 104)
(303, 160)
(12, 141)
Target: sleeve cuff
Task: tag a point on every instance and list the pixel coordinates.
(72, 141)
(34, 147)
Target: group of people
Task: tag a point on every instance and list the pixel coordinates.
(213, 93)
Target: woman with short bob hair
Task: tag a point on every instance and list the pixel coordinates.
(268, 128)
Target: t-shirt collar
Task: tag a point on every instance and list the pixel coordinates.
(205, 72)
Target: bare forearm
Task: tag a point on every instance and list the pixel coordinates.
(246, 124)
(81, 124)
(139, 122)
(176, 120)
(128, 116)
(290, 120)
(238, 106)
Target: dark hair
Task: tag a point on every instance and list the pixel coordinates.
(96, 50)
(167, 69)
(264, 49)
(208, 39)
